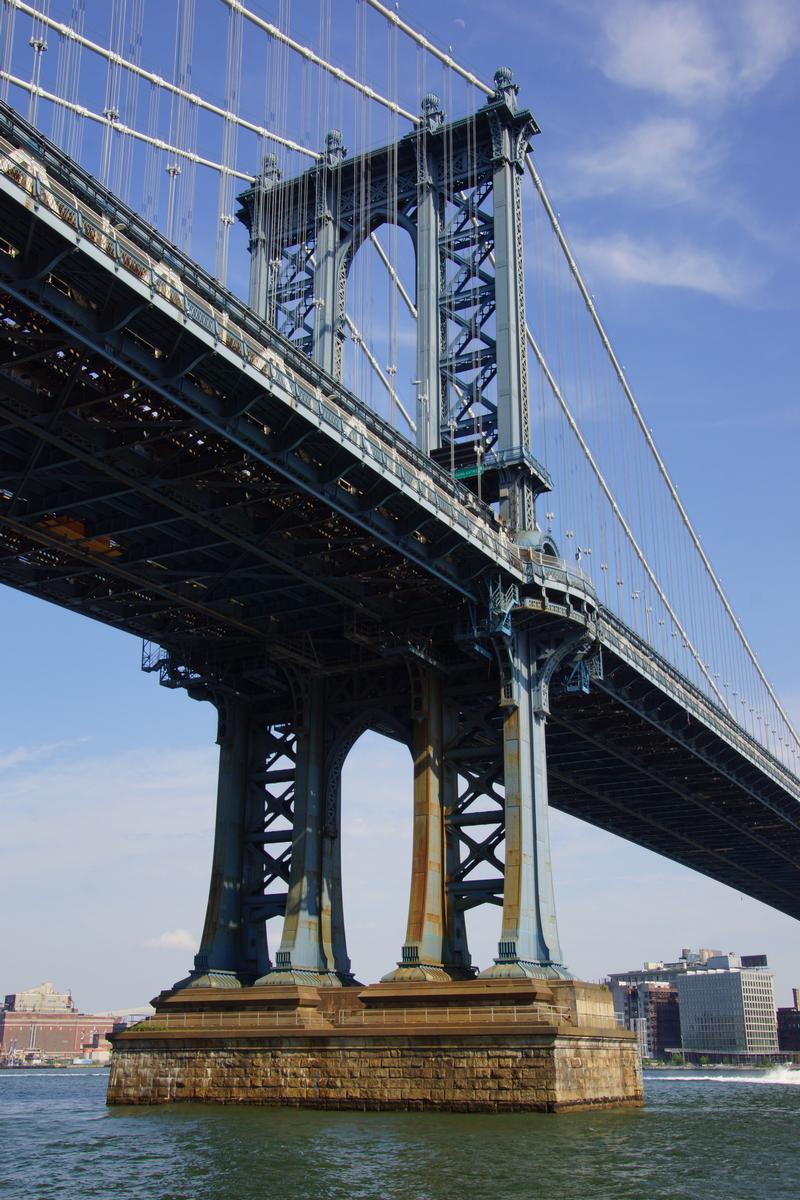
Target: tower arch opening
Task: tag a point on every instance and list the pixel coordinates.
(378, 323)
(376, 839)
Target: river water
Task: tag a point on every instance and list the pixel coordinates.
(732, 1136)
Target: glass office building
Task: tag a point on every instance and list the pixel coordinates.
(727, 1008)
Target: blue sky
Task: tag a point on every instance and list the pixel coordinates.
(668, 147)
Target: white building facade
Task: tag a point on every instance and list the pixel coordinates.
(728, 1009)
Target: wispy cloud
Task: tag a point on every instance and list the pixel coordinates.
(770, 36)
(25, 755)
(172, 939)
(693, 52)
(668, 48)
(681, 265)
(667, 157)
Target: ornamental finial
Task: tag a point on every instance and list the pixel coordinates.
(432, 113)
(334, 148)
(505, 88)
(270, 171)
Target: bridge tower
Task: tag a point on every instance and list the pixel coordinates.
(455, 188)
(480, 774)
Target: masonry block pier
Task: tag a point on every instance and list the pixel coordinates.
(471, 1046)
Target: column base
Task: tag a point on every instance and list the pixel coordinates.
(425, 973)
(209, 978)
(281, 976)
(411, 969)
(519, 968)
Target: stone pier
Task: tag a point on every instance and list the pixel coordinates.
(472, 1046)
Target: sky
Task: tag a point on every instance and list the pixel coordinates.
(668, 145)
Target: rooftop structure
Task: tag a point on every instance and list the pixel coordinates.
(42, 998)
(665, 972)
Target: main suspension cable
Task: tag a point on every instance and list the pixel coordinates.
(307, 53)
(158, 81)
(121, 128)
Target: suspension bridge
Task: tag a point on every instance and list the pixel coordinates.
(318, 547)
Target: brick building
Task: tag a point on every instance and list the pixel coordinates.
(42, 1024)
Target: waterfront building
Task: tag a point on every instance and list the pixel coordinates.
(646, 1001)
(41, 1024)
(673, 1007)
(728, 1009)
(651, 1010)
(789, 1025)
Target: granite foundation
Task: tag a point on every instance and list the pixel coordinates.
(456, 1047)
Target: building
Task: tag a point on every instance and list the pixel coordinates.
(651, 1009)
(646, 1001)
(705, 1003)
(41, 1024)
(727, 1009)
(789, 1025)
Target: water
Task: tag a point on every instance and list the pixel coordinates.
(703, 1136)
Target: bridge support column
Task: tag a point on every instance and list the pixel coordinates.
(260, 296)
(513, 422)
(429, 273)
(435, 945)
(326, 348)
(529, 944)
(312, 947)
(233, 946)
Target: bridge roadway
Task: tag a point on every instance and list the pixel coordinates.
(172, 467)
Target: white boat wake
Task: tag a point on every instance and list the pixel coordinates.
(786, 1076)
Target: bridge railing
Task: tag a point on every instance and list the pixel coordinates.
(454, 1016)
(142, 246)
(640, 654)
(240, 1019)
(505, 1014)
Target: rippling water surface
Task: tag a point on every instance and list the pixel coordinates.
(733, 1136)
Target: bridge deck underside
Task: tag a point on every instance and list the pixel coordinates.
(627, 760)
(120, 505)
